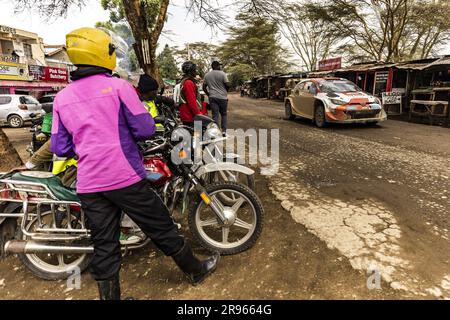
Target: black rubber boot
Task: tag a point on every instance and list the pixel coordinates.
(196, 270)
(109, 289)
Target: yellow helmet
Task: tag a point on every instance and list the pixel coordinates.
(91, 47)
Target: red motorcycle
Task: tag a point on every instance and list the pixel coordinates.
(42, 221)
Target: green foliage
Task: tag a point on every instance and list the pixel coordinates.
(253, 48)
(117, 13)
(167, 64)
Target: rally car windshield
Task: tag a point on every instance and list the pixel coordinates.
(338, 86)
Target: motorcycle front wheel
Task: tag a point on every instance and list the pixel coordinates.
(231, 176)
(244, 228)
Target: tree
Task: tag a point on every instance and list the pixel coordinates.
(308, 35)
(201, 53)
(253, 48)
(146, 19)
(389, 30)
(167, 64)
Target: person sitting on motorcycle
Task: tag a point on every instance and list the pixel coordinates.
(190, 101)
(148, 92)
(100, 119)
(64, 169)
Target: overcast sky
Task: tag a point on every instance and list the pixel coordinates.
(179, 29)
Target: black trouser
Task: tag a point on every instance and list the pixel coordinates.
(103, 211)
(220, 106)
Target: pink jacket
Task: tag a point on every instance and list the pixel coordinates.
(100, 118)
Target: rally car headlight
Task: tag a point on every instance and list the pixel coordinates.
(338, 102)
(378, 101)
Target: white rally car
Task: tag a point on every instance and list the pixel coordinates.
(326, 100)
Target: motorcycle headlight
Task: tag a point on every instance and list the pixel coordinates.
(213, 132)
(338, 102)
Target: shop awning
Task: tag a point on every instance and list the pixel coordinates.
(32, 85)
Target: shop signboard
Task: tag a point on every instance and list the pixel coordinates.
(382, 76)
(52, 74)
(392, 102)
(6, 29)
(13, 71)
(48, 74)
(330, 64)
(392, 98)
(36, 73)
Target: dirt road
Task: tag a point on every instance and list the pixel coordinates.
(347, 204)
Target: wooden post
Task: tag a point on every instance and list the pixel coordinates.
(447, 121)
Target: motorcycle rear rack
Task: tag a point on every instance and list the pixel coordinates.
(30, 194)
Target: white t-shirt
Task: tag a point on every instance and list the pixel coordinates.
(176, 93)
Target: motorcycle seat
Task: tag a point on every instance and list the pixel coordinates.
(52, 182)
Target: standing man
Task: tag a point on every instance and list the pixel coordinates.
(216, 87)
(100, 119)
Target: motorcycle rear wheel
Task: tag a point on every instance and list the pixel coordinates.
(228, 240)
(44, 265)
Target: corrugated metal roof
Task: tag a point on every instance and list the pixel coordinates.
(441, 62)
(415, 64)
(320, 73)
(366, 67)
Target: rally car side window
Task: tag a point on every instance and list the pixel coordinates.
(298, 88)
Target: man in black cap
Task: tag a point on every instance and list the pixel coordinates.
(148, 92)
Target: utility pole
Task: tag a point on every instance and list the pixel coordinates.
(188, 51)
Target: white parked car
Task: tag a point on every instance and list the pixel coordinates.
(16, 109)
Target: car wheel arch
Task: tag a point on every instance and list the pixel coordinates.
(12, 115)
(8, 118)
(319, 103)
(288, 100)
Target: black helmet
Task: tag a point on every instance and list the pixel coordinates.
(189, 68)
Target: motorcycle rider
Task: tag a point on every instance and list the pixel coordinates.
(190, 100)
(148, 92)
(100, 118)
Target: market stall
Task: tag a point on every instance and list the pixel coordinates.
(431, 99)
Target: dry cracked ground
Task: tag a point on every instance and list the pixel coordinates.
(353, 212)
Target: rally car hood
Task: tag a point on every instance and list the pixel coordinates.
(351, 97)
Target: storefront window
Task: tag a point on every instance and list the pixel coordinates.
(381, 79)
(28, 51)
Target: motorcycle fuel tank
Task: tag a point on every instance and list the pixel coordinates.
(158, 173)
